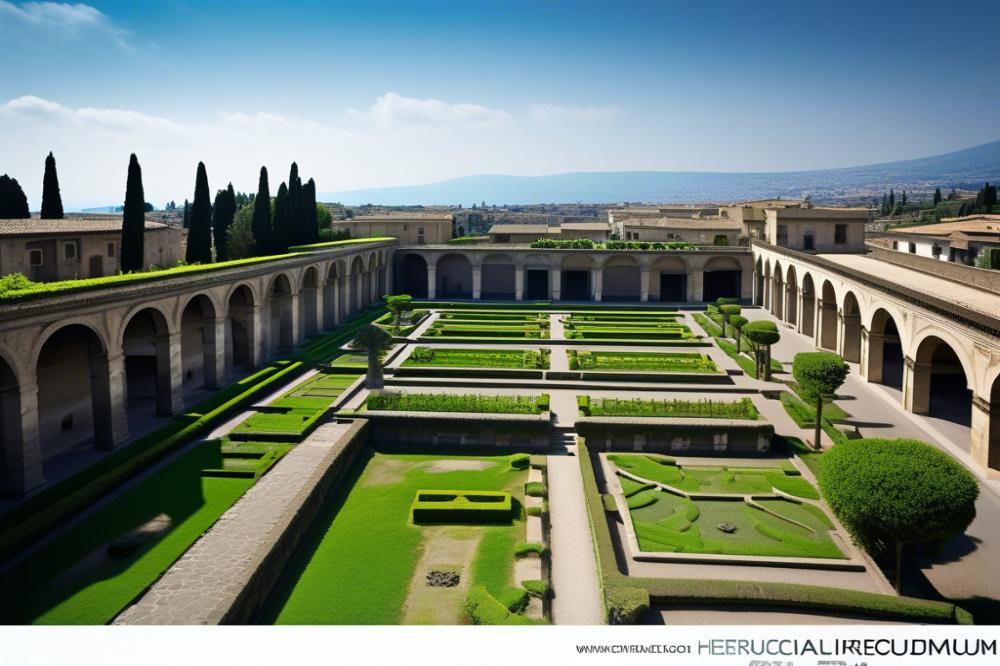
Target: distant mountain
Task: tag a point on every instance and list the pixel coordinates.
(967, 168)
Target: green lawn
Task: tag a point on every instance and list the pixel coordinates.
(654, 361)
(478, 358)
(444, 402)
(72, 580)
(301, 406)
(357, 566)
(735, 409)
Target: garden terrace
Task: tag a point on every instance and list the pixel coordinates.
(709, 409)
(368, 528)
(410, 321)
(292, 416)
(641, 361)
(487, 329)
(674, 333)
(493, 316)
(443, 402)
(446, 357)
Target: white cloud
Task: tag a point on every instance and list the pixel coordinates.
(44, 110)
(394, 109)
(556, 112)
(62, 17)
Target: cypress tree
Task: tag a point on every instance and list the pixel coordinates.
(280, 231)
(262, 215)
(295, 214)
(133, 220)
(52, 208)
(937, 195)
(223, 213)
(13, 203)
(892, 200)
(199, 245)
(187, 214)
(309, 206)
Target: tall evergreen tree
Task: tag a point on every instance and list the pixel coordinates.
(222, 218)
(199, 245)
(13, 203)
(295, 212)
(937, 195)
(892, 200)
(187, 214)
(280, 231)
(52, 208)
(309, 205)
(262, 215)
(133, 220)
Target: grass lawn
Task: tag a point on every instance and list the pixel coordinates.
(654, 361)
(444, 402)
(666, 522)
(717, 480)
(478, 358)
(806, 454)
(302, 406)
(365, 556)
(831, 410)
(73, 579)
(745, 362)
(735, 409)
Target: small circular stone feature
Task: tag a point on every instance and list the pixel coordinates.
(443, 579)
(728, 528)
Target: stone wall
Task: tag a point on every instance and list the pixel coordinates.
(451, 430)
(696, 437)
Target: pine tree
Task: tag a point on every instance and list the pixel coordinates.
(199, 244)
(133, 220)
(937, 196)
(309, 205)
(296, 222)
(13, 203)
(52, 208)
(222, 218)
(262, 215)
(280, 231)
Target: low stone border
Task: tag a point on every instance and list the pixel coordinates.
(459, 429)
(682, 436)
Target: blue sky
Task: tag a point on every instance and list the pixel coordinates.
(388, 93)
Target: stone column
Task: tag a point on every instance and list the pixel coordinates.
(389, 287)
(431, 280)
(107, 382)
(597, 279)
(255, 333)
(696, 286)
(22, 451)
(644, 284)
(800, 313)
(746, 284)
(916, 386)
(767, 294)
(292, 312)
(518, 282)
(477, 281)
(320, 306)
(169, 376)
(985, 451)
(214, 341)
(871, 347)
(555, 283)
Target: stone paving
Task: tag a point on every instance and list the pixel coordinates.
(203, 585)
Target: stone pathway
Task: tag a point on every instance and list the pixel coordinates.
(204, 584)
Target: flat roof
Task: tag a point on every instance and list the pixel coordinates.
(949, 225)
(400, 217)
(966, 296)
(707, 223)
(71, 225)
(523, 229)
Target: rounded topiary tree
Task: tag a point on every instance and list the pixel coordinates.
(762, 334)
(374, 340)
(728, 311)
(819, 374)
(737, 323)
(894, 493)
(398, 305)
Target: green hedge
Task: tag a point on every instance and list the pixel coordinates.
(595, 333)
(534, 489)
(444, 402)
(461, 506)
(537, 588)
(650, 361)
(328, 244)
(738, 409)
(483, 608)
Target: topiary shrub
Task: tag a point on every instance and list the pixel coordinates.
(526, 549)
(819, 374)
(483, 608)
(514, 599)
(534, 489)
(537, 588)
(626, 605)
(893, 493)
(762, 334)
(520, 461)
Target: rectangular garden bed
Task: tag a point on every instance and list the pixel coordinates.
(478, 358)
(644, 361)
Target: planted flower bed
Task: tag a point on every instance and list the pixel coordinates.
(652, 361)
(487, 329)
(444, 402)
(709, 409)
(629, 333)
(478, 358)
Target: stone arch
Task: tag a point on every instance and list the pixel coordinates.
(850, 328)
(150, 364)
(371, 279)
(992, 435)
(309, 305)
(241, 331)
(73, 374)
(621, 280)
(941, 380)
(198, 348)
(279, 314)
(409, 274)
(454, 276)
(576, 283)
(778, 291)
(827, 320)
(723, 278)
(884, 363)
(792, 298)
(668, 279)
(331, 286)
(498, 277)
(13, 479)
(807, 324)
(356, 281)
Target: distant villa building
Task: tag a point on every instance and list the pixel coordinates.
(529, 233)
(956, 239)
(409, 228)
(79, 247)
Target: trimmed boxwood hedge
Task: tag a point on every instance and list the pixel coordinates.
(461, 506)
(483, 608)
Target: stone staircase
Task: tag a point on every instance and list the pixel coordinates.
(562, 439)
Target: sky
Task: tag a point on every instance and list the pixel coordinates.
(382, 93)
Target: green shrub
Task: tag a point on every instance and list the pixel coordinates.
(534, 489)
(710, 327)
(461, 506)
(742, 409)
(514, 599)
(610, 505)
(443, 402)
(483, 608)
(583, 404)
(535, 511)
(520, 461)
(639, 361)
(537, 588)
(626, 604)
(526, 549)
(539, 461)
